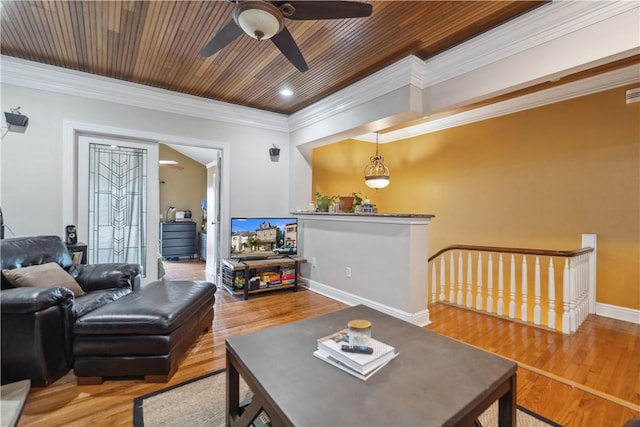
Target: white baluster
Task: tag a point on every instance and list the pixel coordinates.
(566, 296)
(586, 287)
(469, 281)
(575, 268)
(537, 310)
(479, 284)
(500, 286)
(551, 321)
(442, 275)
(489, 284)
(452, 279)
(434, 284)
(459, 300)
(587, 273)
(524, 308)
(512, 289)
(578, 291)
(572, 296)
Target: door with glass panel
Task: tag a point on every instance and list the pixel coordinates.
(117, 201)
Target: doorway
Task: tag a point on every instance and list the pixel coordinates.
(71, 193)
(192, 184)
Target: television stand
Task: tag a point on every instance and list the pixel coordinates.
(244, 277)
(250, 258)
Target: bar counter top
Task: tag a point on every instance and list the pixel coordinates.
(365, 214)
(389, 218)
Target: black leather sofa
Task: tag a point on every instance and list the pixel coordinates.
(37, 322)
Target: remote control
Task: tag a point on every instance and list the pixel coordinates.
(357, 349)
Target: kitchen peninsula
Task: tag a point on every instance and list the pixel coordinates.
(375, 259)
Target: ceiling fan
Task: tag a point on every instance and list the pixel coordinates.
(263, 20)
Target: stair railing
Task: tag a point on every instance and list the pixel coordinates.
(470, 290)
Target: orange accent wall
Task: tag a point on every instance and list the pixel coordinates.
(537, 178)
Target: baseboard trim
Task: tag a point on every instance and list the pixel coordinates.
(420, 318)
(617, 312)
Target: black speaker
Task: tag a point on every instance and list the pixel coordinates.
(72, 236)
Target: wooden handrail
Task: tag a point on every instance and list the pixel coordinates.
(541, 252)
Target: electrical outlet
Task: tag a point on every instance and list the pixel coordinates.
(348, 271)
(314, 262)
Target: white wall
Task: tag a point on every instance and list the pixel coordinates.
(32, 176)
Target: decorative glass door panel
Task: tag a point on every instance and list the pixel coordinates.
(117, 207)
(117, 201)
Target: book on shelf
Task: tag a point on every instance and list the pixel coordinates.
(362, 365)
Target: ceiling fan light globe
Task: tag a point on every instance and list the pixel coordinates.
(259, 20)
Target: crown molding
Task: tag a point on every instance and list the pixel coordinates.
(35, 75)
(407, 71)
(547, 23)
(539, 26)
(583, 87)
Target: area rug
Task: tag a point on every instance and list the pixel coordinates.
(12, 398)
(201, 402)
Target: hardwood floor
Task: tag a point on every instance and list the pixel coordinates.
(591, 378)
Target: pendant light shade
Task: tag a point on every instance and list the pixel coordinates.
(376, 174)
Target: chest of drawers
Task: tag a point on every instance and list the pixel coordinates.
(178, 239)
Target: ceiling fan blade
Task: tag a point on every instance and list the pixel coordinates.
(229, 33)
(284, 41)
(307, 10)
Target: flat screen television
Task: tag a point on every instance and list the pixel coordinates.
(263, 237)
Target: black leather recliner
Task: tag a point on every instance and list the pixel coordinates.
(37, 322)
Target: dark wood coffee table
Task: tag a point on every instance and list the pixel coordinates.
(434, 381)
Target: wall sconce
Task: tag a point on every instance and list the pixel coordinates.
(274, 153)
(633, 95)
(16, 121)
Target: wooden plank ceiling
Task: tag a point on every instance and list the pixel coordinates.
(157, 43)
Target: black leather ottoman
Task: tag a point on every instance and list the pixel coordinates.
(144, 333)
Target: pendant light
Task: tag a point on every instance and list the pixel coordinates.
(376, 174)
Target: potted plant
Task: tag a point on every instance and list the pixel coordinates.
(346, 203)
(358, 197)
(350, 203)
(323, 202)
